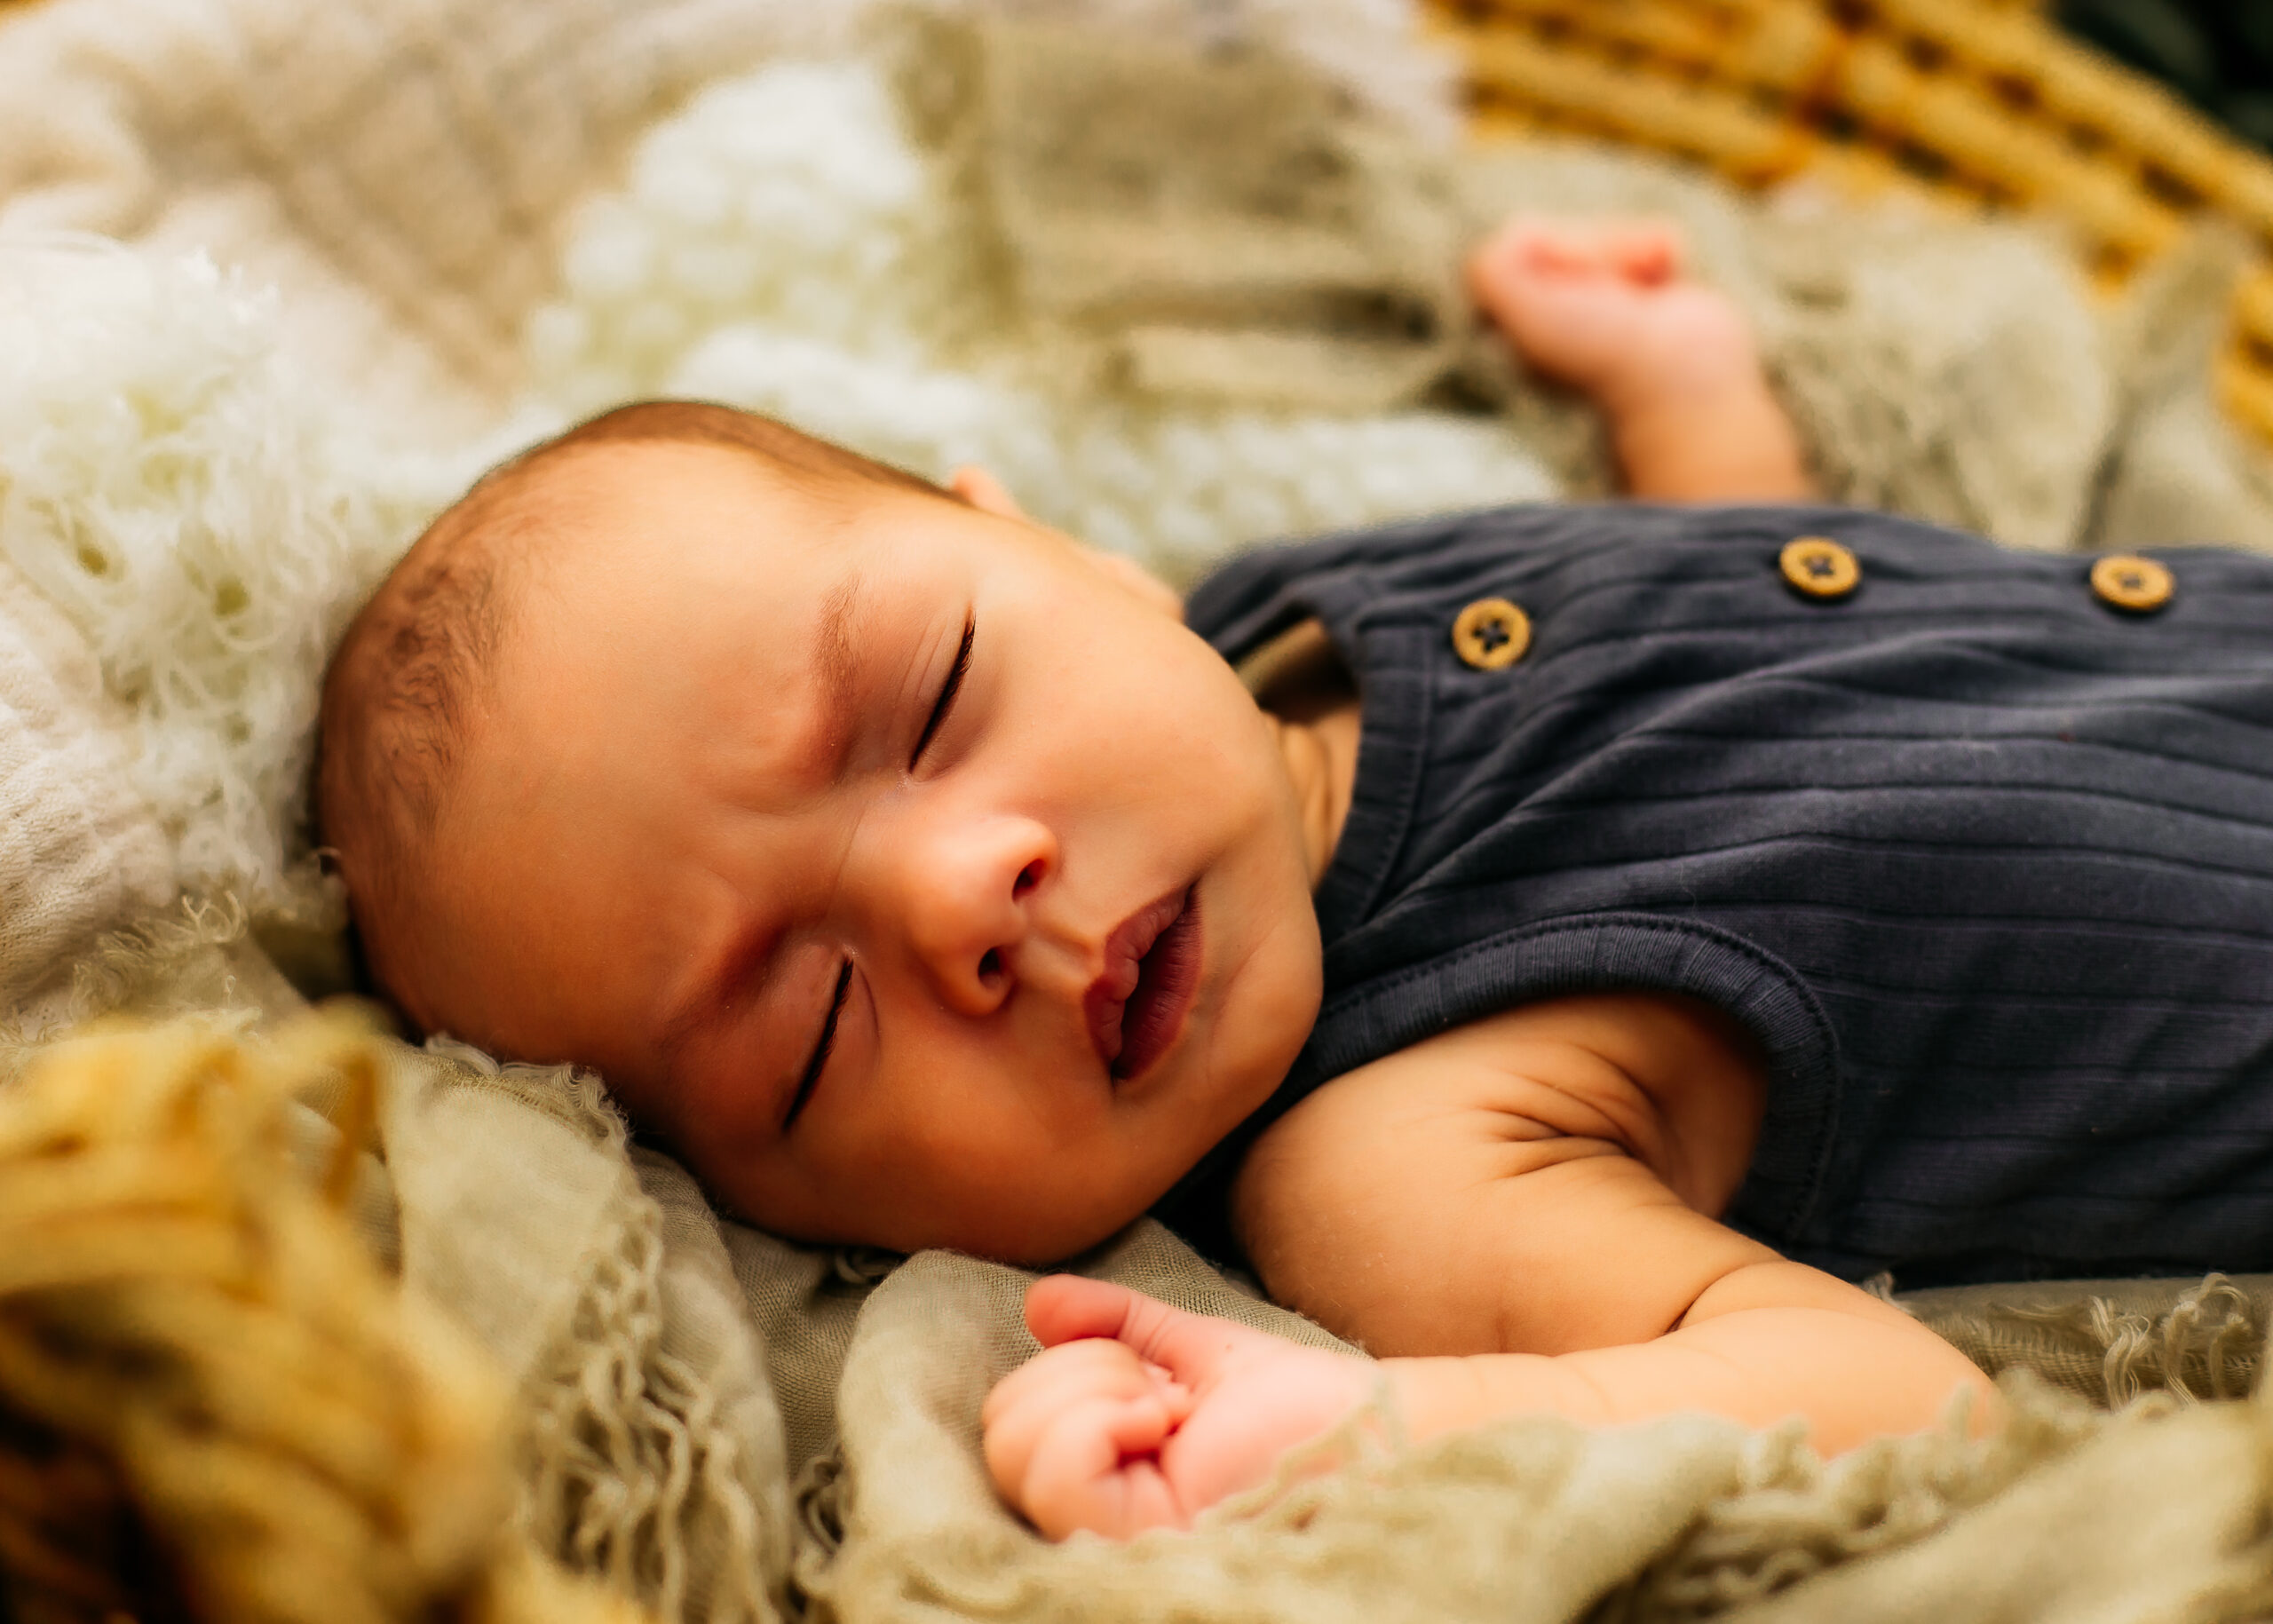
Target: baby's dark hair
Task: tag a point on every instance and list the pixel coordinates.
(402, 687)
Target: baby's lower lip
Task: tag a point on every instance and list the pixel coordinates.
(1154, 1017)
(1134, 1009)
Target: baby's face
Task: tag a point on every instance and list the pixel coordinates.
(922, 881)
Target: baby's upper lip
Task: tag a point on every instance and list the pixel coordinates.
(1107, 997)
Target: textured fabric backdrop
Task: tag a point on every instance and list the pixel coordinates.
(454, 199)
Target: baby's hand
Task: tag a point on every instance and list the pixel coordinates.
(1138, 1415)
(1604, 305)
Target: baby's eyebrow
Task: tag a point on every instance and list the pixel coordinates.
(747, 960)
(837, 658)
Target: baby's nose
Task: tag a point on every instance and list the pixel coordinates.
(964, 897)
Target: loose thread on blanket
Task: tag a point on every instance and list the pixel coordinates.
(627, 1472)
(819, 1497)
(1794, 1514)
(214, 1405)
(125, 966)
(2205, 1345)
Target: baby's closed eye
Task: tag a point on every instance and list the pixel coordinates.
(819, 1060)
(948, 691)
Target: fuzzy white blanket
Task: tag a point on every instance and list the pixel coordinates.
(480, 220)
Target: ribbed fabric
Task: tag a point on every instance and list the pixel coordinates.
(1985, 864)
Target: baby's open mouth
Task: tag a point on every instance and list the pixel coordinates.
(1135, 1008)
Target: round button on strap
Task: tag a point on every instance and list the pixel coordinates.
(2125, 581)
(1819, 567)
(1491, 633)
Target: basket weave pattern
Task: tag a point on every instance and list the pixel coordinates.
(1981, 104)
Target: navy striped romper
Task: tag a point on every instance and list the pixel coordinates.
(1979, 850)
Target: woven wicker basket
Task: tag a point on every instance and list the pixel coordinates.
(1981, 103)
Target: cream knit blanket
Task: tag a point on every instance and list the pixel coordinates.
(472, 240)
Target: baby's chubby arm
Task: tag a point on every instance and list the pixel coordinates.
(1139, 1416)
(1497, 1210)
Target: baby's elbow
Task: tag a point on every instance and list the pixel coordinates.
(1911, 1384)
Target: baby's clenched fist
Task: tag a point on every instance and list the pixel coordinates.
(1138, 1415)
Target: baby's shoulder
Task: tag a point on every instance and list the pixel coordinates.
(1666, 1081)
(1462, 1192)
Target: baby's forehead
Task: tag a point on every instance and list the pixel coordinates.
(611, 482)
(598, 523)
(646, 564)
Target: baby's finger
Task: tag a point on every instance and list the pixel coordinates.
(1192, 1347)
(1173, 1393)
(1093, 1467)
(1530, 243)
(1081, 1431)
(1027, 1400)
(1063, 1308)
(1648, 251)
(1093, 1358)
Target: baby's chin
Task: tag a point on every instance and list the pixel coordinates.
(1039, 1240)
(1053, 1217)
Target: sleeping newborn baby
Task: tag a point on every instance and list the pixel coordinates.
(1560, 948)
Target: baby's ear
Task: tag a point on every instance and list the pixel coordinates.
(989, 495)
(984, 492)
(1148, 587)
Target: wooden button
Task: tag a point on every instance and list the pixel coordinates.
(2125, 581)
(1491, 633)
(1819, 567)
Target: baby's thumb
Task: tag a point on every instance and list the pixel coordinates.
(1190, 1347)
